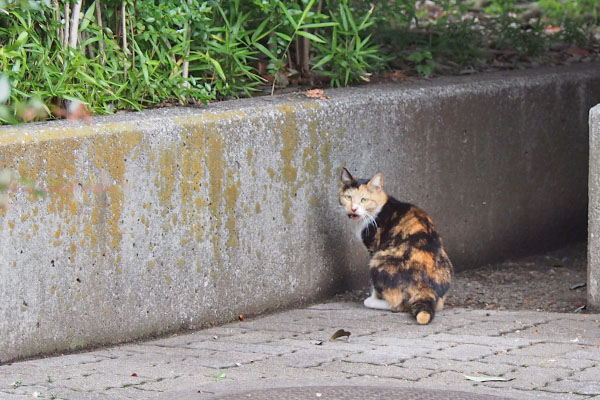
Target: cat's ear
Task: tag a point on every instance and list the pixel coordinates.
(376, 183)
(347, 179)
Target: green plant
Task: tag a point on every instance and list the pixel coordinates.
(576, 17)
(423, 61)
(347, 50)
(511, 32)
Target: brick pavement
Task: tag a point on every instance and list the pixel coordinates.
(546, 356)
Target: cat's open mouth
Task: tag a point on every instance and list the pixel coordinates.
(354, 216)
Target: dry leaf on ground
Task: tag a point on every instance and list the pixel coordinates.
(338, 334)
(487, 378)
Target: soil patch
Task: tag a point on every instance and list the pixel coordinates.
(553, 281)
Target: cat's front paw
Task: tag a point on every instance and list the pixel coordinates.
(378, 304)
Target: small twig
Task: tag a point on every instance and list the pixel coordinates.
(75, 24)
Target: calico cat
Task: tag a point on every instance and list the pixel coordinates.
(409, 268)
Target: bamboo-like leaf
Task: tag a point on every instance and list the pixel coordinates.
(287, 14)
(319, 25)
(217, 67)
(310, 36)
(323, 61)
(265, 51)
(258, 33)
(310, 4)
(284, 36)
(87, 18)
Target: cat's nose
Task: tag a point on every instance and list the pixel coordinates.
(354, 207)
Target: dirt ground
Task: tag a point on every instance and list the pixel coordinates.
(553, 281)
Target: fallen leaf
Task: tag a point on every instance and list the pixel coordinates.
(315, 94)
(396, 75)
(338, 334)
(487, 378)
(134, 374)
(316, 342)
(242, 318)
(577, 51)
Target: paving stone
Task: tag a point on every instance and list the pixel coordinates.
(306, 358)
(175, 382)
(537, 361)
(464, 367)
(270, 348)
(387, 371)
(588, 374)
(388, 355)
(498, 343)
(580, 330)
(528, 378)
(492, 328)
(463, 352)
(577, 387)
(586, 353)
(384, 349)
(550, 350)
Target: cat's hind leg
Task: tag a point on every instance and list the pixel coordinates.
(395, 298)
(375, 302)
(439, 306)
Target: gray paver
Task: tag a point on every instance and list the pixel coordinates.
(571, 386)
(384, 350)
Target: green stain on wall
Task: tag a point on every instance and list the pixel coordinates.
(290, 137)
(231, 194)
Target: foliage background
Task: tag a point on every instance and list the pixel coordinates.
(57, 55)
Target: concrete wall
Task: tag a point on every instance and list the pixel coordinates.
(593, 281)
(182, 217)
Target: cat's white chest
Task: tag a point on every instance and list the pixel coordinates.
(366, 224)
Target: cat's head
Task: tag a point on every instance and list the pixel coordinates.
(362, 198)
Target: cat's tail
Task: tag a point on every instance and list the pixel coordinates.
(422, 307)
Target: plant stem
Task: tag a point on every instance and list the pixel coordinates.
(75, 24)
(123, 26)
(59, 32)
(188, 38)
(101, 41)
(67, 24)
(305, 55)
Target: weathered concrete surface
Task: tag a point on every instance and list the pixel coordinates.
(542, 356)
(176, 218)
(593, 281)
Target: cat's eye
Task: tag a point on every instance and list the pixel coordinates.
(348, 197)
(364, 200)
